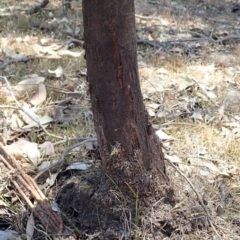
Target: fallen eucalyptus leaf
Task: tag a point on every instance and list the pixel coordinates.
(78, 166)
(30, 227)
(40, 96)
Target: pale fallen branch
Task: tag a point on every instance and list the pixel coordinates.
(26, 188)
(148, 17)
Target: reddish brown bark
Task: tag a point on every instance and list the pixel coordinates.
(119, 113)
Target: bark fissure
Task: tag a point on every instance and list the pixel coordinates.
(117, 104)
(117, 55)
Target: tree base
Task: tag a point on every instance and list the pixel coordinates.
(98, 205)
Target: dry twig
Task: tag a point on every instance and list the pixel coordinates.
(200, 200)
(74, 41)
(5, 132)
(163, 44)
(17, 60)
(55, 166)
(27, 189)
(37, 8)
(20, 108)
(152, 43)
(148, 17)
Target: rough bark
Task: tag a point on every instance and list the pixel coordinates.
(129, 148)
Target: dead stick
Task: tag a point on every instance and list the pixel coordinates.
(37, 8)
(58, 164)
(31, 188)
(198, 196)
(16, 60)
(29, 203)
(20, 108)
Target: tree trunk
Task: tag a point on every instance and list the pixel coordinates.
(130, 151)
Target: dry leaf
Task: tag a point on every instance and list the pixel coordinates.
(78, 166)
(30, 227)
(30, 112)
(162, 114)
(162, 71)
(58, 72)
(47, 148)
(226, 132)
(154, 105)
(40, 96)
(63, 52)
(173, 158)
(89, 146)
(51, 180)
(177, 50)
(55, 206)
(29, 82)
(44, 121)
(2, 204)
(12, 54)
(197, 114)
(221, 111)
(8, 235)
(199, 94)
(211, 94)
(151, 113)
(15, 122)
(204, 163)
(46, 164)
(15, 151)
(163, 136)
(30, 149)
(44, 41)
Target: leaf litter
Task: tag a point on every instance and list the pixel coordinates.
(188, 64)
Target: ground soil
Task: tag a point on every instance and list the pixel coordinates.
(188, 56)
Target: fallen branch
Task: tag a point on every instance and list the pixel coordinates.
(224, 39)
(148, 17)
(17, 60)
(27, 189)
(20, 108)
(57, 165)
(158, 44)
(203, 91)
(203, 39)
(74, 41)
(37, 8)
(152, 43)
(200, 200)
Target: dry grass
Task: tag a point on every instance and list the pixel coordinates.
(208, 148)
